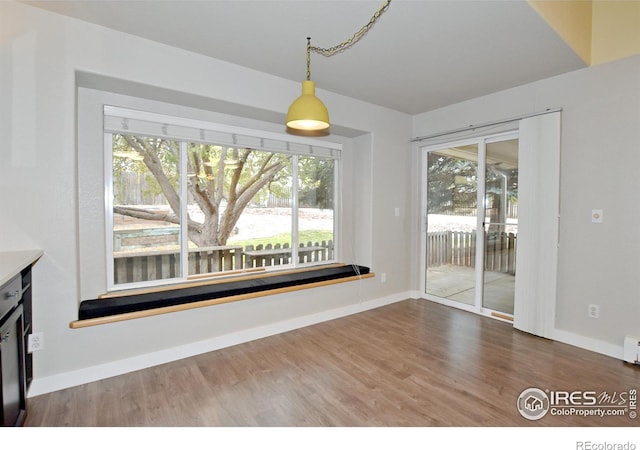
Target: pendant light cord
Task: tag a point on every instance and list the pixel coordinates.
(353, 39)
(345, 44)
(308, 58)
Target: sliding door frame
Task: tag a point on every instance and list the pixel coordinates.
(481, 141)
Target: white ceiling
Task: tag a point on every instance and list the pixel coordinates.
(421, 55)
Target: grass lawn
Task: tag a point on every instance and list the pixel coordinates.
(304, 237)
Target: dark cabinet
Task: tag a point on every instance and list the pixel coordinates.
(14, 406)
(26, 304)
(16, 368)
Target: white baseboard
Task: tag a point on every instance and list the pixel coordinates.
(577, 340)
(65, 380)
(587, 343)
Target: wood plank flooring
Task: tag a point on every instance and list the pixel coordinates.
(412, 363)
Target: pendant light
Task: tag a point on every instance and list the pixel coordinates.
(307, 115)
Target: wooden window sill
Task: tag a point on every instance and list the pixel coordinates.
(138, 303)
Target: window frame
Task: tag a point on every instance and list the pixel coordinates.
(334, 152)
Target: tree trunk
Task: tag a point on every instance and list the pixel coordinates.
(208, 195)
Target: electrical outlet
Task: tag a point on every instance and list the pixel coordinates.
(383, 277)
(594, 311)
(597, 216)
(35, 342)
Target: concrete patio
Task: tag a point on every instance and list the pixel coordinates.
(457, 283)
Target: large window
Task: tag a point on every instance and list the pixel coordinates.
(188, 199)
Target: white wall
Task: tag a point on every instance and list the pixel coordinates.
(40, 54)
(600, 155)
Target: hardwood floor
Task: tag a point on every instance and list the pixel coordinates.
(412, 363)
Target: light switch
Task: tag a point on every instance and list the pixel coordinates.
(597, 216)
(397, 212)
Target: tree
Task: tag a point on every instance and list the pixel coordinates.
(316, 189)
(221, 181)
(452, 184)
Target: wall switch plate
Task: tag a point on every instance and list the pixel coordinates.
(597, 216)
(35, 342)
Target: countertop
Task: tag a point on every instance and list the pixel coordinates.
(12, 263)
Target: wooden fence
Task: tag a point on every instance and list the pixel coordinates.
(157, 265)
(459, 249)
(470, 211)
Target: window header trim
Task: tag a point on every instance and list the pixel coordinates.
(129, 121)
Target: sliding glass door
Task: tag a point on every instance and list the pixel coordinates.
(500, 225)
(471, 193)
(452, 200)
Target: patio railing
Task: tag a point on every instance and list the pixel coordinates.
(459, 249)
